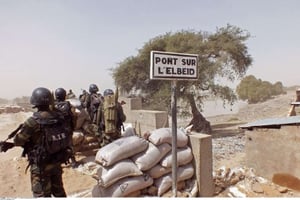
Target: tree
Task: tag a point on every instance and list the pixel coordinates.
(255, 90)
(222, 55)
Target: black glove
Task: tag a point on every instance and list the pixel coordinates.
(4, 146)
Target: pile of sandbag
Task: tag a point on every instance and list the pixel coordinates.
(82, 142)
(134, 166)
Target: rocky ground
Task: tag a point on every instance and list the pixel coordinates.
(232, 178)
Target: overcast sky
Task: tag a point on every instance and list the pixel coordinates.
(73, 43)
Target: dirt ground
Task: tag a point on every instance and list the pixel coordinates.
(16, 184)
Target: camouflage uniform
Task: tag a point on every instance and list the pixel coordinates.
(46, 178)
(109, 137)
(70, 117)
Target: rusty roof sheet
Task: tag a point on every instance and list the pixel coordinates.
(273, 122)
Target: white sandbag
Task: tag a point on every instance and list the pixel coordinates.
(129, 130)
(164, 135)
(124, 168)
(119, 149)
(147, 159)
(123, 187)
(164, 183)
(77, 137)
(158, 171)
(184, 156)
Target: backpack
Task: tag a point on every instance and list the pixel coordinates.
(55, 133)
(112, 119)
(65, 108)
(95, 101)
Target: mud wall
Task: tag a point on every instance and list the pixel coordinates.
(274, 152)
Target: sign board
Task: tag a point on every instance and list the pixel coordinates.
(168, 65)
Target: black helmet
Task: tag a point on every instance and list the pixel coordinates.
(108, 92)
(60, 94)
(93, 88)
(41, 97)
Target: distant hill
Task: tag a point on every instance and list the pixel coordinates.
(4, 101)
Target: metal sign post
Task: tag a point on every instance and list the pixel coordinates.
(174, 138)
(173, 66)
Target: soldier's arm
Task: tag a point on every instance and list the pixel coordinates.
(29, 127)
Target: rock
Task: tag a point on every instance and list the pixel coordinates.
(282, 189)
(256, 187)
(234, 180)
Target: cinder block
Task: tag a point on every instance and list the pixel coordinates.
(147, 120)
(131, 103)
(201, 145)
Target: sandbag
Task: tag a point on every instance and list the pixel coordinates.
(158, 171)
(129, 130)
(164, 135)
(77, 137)
(184, 156)
(164, 183)
(147, 159)
(119, 149)
(124, 168)
(123, 187)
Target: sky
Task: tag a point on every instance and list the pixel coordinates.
(74, 43)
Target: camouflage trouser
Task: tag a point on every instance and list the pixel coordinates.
(108, 138)
(47, 181)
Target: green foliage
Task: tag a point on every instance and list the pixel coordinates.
(255, 90)
(222, 55)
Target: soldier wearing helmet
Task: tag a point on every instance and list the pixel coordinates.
(113, 117)
(94, 105)
(46, 174)
(68, 112)
(93, 102)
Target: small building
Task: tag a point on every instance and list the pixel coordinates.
(273, 147)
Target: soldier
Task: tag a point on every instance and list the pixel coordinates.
(83, 98)
(68, 112)
(93, 102)
(113, 117)
(71, 95)
(44, 137)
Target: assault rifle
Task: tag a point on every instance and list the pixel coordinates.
(4, 145)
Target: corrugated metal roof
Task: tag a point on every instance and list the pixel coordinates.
(273, 122)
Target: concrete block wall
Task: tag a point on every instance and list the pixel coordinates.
(272, 152)
(143, 120)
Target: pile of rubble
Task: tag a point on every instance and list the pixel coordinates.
(243, 182)
(237, 180)
(11, 109)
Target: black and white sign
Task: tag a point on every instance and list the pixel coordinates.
(168, 65)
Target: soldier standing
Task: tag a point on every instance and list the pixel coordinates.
(44, 139)
(68, 112)
(113, 117)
